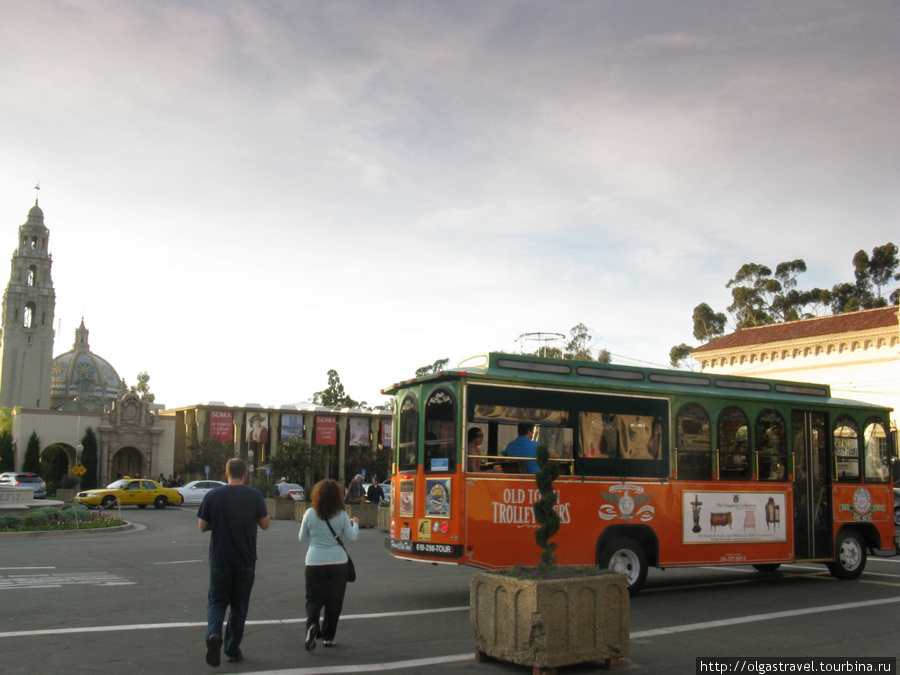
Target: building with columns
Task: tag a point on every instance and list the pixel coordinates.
(256, 431)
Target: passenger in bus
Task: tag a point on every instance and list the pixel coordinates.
(524, 448)
(473, 448)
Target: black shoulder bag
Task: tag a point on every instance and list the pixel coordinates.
(351, 569)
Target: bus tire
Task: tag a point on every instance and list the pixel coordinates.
(766, 567)
(628, 557)
(849, 556)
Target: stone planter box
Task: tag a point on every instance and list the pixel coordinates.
(367, 514)
(280, 509)
(300, 509)
(551, 623)
(384, 519)
(65, 494)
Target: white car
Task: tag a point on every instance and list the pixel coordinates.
(294, 491)
(195, 491)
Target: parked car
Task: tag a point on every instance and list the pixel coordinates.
(130, 491)
(195, 491)
(295, 491)
(31, 480)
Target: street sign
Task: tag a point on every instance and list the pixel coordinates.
(79, 470)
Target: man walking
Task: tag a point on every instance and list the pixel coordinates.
(232, 514)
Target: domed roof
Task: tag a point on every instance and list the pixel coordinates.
(36, 212)
(81, 374)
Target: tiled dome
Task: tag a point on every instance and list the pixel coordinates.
(81, 374)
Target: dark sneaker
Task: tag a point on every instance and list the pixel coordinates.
(311, 634)
(213, 645)
(234, 659)
(328, 643)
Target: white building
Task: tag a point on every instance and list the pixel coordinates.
(856, 353)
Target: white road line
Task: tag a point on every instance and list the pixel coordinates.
(752, 618)
(177, 562)
(3, 569)
(195, 624)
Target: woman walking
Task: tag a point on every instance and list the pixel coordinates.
(326, 560)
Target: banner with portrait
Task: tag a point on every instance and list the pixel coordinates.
(257, 427)
(387, 434)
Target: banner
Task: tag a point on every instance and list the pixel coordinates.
(326, 430)
(387, 434)
(359, 431)
(221, 425)
(291, 427)
(258, 427)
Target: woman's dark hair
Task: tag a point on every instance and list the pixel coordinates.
(328, 498)
(473, 432)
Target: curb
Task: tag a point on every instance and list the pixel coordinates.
(117, 529)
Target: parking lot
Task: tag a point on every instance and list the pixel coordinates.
(135, 602)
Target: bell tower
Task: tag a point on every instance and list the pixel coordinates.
(26, 326)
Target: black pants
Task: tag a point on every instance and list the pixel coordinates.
(325, 586)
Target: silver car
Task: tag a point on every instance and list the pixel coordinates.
(31, 480)
(195, 491)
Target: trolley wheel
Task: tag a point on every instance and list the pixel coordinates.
(628, 557)
(160, 502)
(849, 556)
(897, 515)
(767, 567)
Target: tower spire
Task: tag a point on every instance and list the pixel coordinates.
(37, 189)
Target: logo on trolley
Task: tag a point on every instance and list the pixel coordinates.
(862, 507)
(623, 500)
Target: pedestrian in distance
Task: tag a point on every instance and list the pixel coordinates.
(232, 514)
(327, 565)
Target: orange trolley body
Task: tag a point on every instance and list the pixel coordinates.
(658, 468)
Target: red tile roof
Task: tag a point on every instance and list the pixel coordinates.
(836, 324)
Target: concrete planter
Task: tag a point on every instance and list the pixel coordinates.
(280, 509)
(65, 494)
(367, 514)
(553, 623)
(300, 509)
(384, 519)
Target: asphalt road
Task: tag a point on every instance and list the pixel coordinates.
(135, 602)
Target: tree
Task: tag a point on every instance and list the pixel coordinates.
(143, 388)
(208, 453)
(376, 463)
(297, 459)
(433, 369)
(334, 395)
(678, 354)
(578, 348)
(32, 461)
(89, 478)
(7, 452)
(708, 324)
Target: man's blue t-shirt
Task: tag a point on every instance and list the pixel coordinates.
(233, 513)
(523, 446)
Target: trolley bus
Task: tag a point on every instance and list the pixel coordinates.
(657, 468)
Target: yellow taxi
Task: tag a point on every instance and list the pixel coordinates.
(140, 492)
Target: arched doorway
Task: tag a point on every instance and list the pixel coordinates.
(127, 461)
(56, 460)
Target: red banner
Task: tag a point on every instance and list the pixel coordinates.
(326, 430)
(221, 425)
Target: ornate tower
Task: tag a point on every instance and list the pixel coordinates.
(26, 331)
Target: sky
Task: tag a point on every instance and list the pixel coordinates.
(242, 196)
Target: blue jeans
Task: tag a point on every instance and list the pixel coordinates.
(229, 586)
